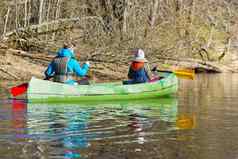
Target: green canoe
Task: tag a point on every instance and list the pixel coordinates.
(42, 91)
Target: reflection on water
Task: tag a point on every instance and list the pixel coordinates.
(186, 121)
(200, 123)
(71, 131)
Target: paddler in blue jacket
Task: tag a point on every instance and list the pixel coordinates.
(64, 65)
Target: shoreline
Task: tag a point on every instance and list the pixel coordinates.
(17, 65)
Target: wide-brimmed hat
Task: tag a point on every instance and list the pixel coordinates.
(139, 56)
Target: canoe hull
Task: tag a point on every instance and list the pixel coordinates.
(41, 91)
(73, 99)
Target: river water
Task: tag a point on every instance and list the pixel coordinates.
(200, 122)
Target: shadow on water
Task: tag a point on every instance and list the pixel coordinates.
(83, 131)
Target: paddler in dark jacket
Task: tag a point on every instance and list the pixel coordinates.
(138, 72)
(64, 65)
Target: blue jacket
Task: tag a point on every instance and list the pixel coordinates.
(73, 66)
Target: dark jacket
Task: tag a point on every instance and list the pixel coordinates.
(137, 74)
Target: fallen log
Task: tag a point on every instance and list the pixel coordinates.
(10, 74)
(196, 64)
(40, 57)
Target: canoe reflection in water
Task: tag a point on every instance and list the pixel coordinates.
(75, 137)
(19, 110)
(65, 129)
(70, 130)
(142, 120)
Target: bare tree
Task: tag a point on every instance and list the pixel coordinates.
(191, 28)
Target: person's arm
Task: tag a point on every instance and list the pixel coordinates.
(78, 70)
(148, 71)
(49, 71)
(129, 75)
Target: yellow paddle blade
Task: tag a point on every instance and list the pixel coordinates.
(185, 73)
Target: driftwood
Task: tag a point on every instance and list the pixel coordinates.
(41, 58)
(196, 64)
(10, 74)
(75, 20)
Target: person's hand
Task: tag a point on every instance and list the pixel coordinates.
(87, 63)
(154, 69)
(48, 78)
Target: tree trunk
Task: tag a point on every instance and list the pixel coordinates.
(6, 22)
(56, 15)
(125, 18)
(26, 14)
(16, 16)
(40, 11)
(154, 12)
(47, 19)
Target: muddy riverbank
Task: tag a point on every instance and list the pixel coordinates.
(20, 65)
